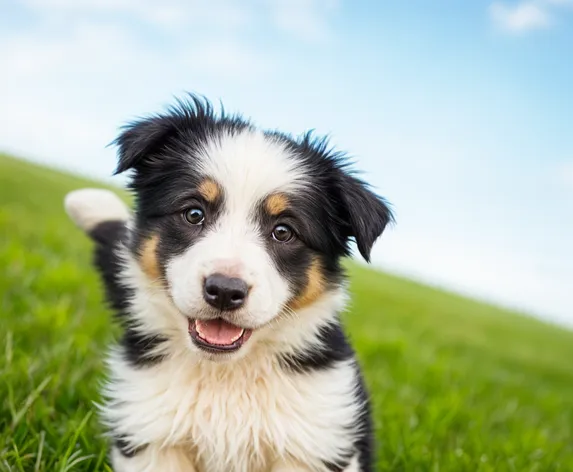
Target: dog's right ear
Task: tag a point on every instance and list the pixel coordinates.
(141, 141)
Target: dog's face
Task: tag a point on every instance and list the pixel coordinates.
(240, 226)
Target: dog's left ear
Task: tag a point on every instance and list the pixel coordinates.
(366, 213)
(140, 140)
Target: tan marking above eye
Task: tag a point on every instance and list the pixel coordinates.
(276, 203)
(148, 258)
(315, 286)
(209, 190)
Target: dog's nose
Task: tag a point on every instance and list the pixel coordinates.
(225, 293)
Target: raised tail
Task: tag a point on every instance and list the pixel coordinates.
(99, 213)
(103, 216)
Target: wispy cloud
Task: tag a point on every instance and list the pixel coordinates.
(302, 19)
(564, 3)
(307, 19)
(81, 50)
(564, 173)
(525, 16)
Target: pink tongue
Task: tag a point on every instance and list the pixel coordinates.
(218, 331)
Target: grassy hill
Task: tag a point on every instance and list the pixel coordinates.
(457, 385)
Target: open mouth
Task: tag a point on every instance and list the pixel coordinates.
(218, 335)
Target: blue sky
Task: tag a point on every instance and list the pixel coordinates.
(460, 113)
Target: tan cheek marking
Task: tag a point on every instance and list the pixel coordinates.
(209, 190)
(148, 258)
(276, 204)
(315, 286)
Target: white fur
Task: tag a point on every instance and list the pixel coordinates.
(250, 166)
(89, 207)
(354, 466)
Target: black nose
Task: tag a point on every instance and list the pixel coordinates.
(225, 293)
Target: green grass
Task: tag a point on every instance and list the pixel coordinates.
(457, 385)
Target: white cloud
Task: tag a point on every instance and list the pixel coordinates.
(52, 101)
(521, 17)
(560, 2)
(564, 173)
(306, 20)
(527, 15)
(165, 14)
(84, 46)
(229, 56)
(528, 282)
(88, 65)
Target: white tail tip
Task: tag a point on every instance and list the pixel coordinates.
(88, 207)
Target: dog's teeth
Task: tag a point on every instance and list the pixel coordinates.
(198, 329)
(238, 336)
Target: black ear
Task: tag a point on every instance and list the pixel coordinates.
(366, 213)
(140, 140)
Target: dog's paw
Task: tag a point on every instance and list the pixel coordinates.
(88, 207)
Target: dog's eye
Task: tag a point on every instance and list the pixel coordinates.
(195, 216)
(282, 233)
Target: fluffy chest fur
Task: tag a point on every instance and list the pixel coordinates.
(242, 417)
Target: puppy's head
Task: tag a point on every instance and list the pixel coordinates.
(240, 226)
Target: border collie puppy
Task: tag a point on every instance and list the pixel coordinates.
(228, 284)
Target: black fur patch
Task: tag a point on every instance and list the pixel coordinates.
(365, 441)
(312, 241)
(340, 465)
(137, 347)
(350, 209)
(126, 449)
(334, 348)
(108, 236)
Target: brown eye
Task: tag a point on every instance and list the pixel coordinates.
(282, 233)
(194, 216)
